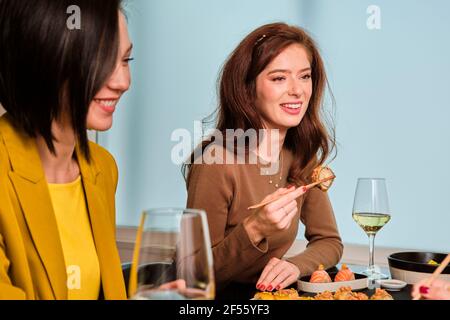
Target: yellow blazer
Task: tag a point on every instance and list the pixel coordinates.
(31, 259)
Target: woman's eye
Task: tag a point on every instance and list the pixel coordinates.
(278, 79)
(306, 77)
(127, 60)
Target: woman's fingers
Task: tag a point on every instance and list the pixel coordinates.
(290, 206)
(277, 193)
(285, 199)
(288, 281)
(289, 212)
(273, 218)
(438, 293)
(421, 289)
(282, 218)
(281, 277)
(278, 274)
(436, 290)
(261, 284)
(177, 285)
(415, 291)
(279, 212)
(287, 276)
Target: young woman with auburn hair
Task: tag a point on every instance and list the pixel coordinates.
(274, 80)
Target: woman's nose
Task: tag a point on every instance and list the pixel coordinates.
(120, 79)
(295, 89)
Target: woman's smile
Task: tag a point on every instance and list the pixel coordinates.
(292, 108)
(108, 105)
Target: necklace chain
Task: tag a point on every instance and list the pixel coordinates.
(280, 167)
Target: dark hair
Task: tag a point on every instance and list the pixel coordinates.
(310, 141)
(47, 69)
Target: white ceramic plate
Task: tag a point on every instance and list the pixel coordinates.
(359, 283)
(411, 277)
(392, 284)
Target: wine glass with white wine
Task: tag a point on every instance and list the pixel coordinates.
(371, 212)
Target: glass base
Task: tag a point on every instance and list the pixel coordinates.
(374, 273)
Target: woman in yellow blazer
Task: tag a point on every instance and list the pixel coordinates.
(57, 209)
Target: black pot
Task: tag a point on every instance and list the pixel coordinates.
(417, 261)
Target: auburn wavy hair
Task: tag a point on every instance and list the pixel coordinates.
(310, 142)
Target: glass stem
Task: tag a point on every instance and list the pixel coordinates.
(371, 250)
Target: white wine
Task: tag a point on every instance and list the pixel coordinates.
(371, 222)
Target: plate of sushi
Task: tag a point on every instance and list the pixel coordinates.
(321, 280)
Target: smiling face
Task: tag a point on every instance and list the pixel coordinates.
(284, 88)
(101, 109)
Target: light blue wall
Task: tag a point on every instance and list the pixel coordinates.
(392, 91)
(391, 87)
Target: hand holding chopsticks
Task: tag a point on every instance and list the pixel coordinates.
(299, 191)
(436, 273)
(274, 217)
(276, 213)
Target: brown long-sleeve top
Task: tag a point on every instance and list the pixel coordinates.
(225, 191)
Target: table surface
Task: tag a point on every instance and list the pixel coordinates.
(240, 291)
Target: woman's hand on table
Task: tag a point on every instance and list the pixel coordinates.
(174, 285)
(277, 274)
(275, 216)
(180, 286)
(438, 290)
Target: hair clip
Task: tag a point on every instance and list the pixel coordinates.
(260, 39)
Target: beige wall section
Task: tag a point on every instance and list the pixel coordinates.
(353, 254)
(125, 237)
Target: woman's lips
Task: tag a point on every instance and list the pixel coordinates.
(292, 108)
(108, 105)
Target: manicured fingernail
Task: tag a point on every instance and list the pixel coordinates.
(278, 288)
(424, 290)
(258, 286)
(269, 288)
(262, 287)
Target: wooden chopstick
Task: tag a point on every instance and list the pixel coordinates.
(132, 282)
(435, 274)
(306, 188)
